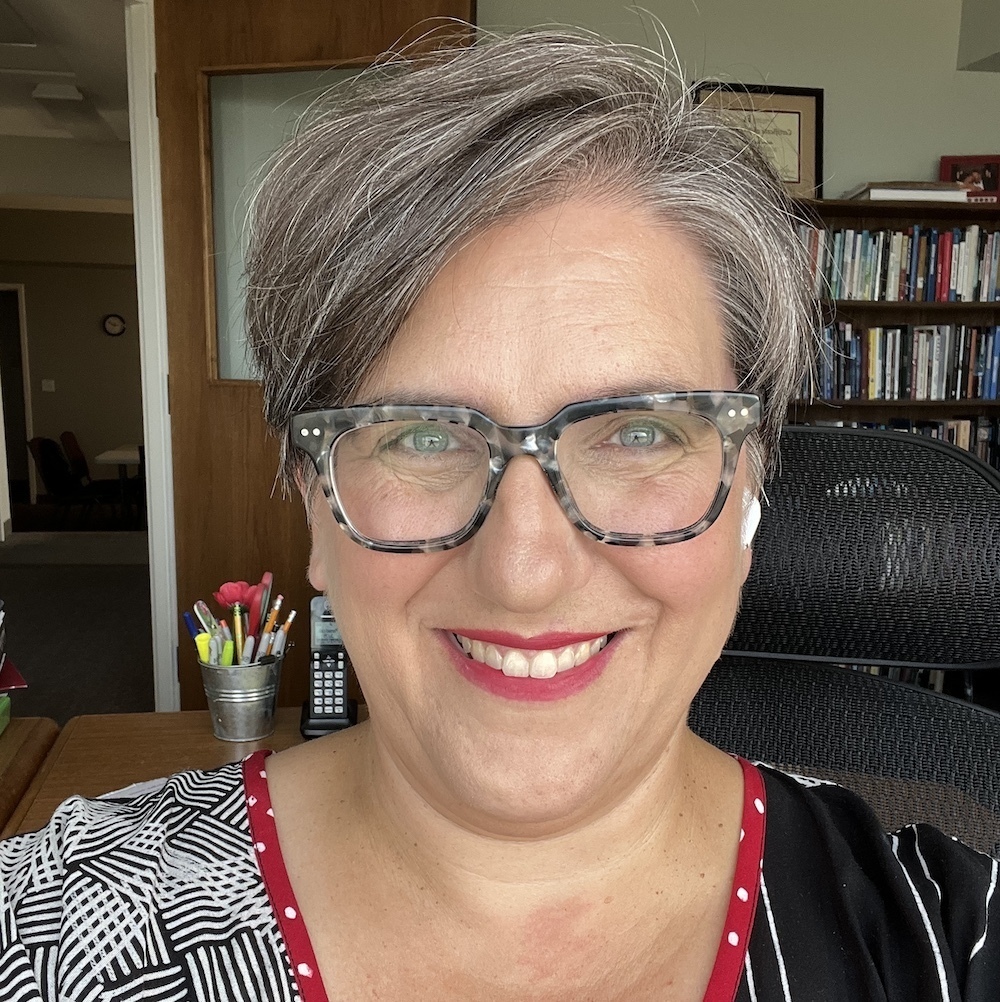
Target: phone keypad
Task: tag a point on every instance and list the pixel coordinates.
(329, 688)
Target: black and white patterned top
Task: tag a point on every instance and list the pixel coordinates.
(177, 893)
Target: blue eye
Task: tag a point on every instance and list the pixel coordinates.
(638, 435)
(427, 439)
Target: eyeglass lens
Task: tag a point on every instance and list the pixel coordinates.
(633, 472)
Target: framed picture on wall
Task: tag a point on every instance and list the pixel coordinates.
(978, 174)
(788, 124)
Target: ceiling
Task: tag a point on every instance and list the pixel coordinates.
(62, 70)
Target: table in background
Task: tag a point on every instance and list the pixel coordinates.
(24, 744)
(122, 456)
(104, 752)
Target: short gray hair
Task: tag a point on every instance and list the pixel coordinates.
(389, 175)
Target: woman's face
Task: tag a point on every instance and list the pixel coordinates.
(578, 301)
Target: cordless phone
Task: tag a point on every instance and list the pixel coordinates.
(327, 708)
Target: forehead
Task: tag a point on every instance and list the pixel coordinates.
(575, 301)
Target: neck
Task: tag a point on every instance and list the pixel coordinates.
(657, 820)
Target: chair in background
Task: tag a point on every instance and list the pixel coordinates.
(912, 754)
(61, 487)
(876, 548)
(107, 491)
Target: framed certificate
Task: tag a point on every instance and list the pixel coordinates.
(787, 123)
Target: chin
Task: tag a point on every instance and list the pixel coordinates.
(523, 798)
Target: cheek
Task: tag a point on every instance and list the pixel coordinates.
(695, 584)
(371, 595)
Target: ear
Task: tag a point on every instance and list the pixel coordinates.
(749, 525)
(317, 572)
(751, 518)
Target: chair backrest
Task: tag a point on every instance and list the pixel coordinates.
(875, 548)
(913, 754)
(77, 460)
(53, 468)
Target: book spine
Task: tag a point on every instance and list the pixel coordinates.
(892, 268)
(911, 280)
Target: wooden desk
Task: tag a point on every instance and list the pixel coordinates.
(103, 752)
(24, 744)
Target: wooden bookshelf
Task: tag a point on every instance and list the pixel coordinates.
(863, 314)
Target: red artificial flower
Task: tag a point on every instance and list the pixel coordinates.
(233, 593)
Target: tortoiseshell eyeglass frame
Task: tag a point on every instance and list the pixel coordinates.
(734, 415)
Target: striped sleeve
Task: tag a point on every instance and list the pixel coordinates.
(18, 982)
(954, 892)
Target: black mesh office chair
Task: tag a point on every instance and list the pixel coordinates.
(877, 548)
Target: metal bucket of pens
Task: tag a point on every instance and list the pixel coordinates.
(242, 698)
(241, 672)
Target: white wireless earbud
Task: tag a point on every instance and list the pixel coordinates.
(751, 518)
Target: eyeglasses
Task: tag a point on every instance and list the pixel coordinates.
(633, 471)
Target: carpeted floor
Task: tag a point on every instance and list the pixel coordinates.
(79, 631)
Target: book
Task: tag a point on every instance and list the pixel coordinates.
(909, 191)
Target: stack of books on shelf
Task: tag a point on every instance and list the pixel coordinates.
(918, 264)
(907, 362)
(942, 362)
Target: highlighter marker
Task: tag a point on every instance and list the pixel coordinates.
(227, 654)
(203, 642)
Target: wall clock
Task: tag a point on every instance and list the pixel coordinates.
(114, 325)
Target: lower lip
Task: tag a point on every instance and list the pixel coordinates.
(530, 690)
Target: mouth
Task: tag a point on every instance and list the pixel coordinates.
(531, 672)
(517, 662)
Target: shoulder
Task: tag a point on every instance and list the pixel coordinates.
(914, 903)
(172, 868)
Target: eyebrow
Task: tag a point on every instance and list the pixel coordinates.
(410, 398)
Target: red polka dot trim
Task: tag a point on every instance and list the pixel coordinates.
(264, 833)
(728, 970)
(726, 974)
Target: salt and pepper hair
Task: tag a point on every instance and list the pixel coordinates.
(390, 174)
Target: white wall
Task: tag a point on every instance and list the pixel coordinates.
(34, 166)
(895, 101)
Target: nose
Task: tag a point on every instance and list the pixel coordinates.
(528, 554)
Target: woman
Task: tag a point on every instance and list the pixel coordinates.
(529, 324)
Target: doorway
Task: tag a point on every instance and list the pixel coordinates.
(15, 417)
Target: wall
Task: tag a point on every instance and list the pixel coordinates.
(31, 165)
(76, 267)
(895, 101)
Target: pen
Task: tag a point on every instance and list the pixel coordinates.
(205, 617)
(282, 638)
(191, 625)
(226, 632)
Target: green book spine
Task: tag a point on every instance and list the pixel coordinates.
(4, 711)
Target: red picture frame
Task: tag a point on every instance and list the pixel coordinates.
(978, 173)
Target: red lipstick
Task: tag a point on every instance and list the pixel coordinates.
(529, 690)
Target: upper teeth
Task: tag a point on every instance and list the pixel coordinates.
(536, 664)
